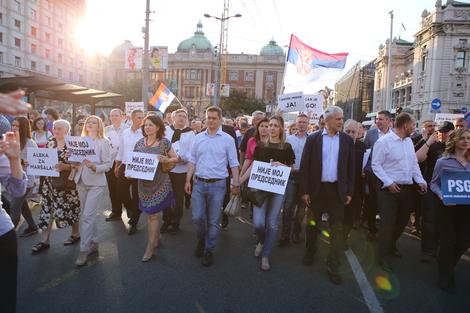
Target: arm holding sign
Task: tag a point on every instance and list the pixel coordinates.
(435, 185)
(106, 162)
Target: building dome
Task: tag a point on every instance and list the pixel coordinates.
(272, 49)
(198, 42)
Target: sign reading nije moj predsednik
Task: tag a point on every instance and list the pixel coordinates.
(291, 102)
(81, 148)
(270, 178)
(141, 165)
(42, 162)
(455, 187)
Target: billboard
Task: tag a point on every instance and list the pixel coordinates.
(158, 58)
(133, 59)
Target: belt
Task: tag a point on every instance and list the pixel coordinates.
(404, 186)
(208, 180)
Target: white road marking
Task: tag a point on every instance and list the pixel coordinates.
(367, 292)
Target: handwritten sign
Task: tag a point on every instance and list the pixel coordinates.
(446, 117)
(455, 187)
(291, 102)
(314, 107)
(81, 148)
(141, 165)
(264, 176)
(42, 162)
(131, 106)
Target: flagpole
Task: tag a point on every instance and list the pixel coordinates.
(285, 65)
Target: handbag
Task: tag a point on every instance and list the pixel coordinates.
(233, 207)
(255, 196)
(167, 167)
(63, 182)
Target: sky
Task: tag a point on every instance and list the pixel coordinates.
(357, 27)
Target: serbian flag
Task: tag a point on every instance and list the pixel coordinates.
(162, 98)
(308, 69)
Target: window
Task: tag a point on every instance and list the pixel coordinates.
(34, 31)
(59, 58)
(269, 77)
(17, 61)
(34, 48)
(48, 37)
(460, 59)
(423, 62)
(463, 42)
(18, 6)
(233, 76)
(1, 37)
(18, 24)
(249, 76)
(1, 57)
(60, 42)
(1, 18)
(60, 26)
(71, 61)
(193, 74)
(17, 42)
(71, 75)
(59, 73)
(33, 65)
(48, 69)
(47, 53)
(48, 21)
(33, 14)
(80, 78)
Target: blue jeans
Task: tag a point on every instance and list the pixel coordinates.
(207, 200)
(266, 221)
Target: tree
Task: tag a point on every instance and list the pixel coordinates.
(238, 103)
(131, 89)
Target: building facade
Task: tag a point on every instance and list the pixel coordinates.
(36, 38)
(435, 66)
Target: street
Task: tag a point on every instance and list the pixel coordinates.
(117, 281)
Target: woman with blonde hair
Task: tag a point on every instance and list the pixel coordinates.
(454, 220)
(91, 184)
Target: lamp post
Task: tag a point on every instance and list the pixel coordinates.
(222, 20)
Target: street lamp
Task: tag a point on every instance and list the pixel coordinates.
(222, 20)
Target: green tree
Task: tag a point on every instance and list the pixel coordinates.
(238, 103)
(131, 89)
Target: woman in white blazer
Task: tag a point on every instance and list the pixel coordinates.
(91, 184)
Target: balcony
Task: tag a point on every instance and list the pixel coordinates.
(403, 82)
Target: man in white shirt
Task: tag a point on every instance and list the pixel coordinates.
(182, 139)
(395, 164)
(126, 146)
(114, 133)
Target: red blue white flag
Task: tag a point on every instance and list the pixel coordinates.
(162, 98)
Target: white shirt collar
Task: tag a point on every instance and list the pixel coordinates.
(325, 132)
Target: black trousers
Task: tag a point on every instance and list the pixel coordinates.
(352, 212)
(129, 196)
(173, 215)
(8, 272)
(370, 207)
(429, 204)
(394, 210)
(454, 240)
(116, 202)
(329, 202)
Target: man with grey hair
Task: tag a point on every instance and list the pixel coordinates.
(327, 185)
(256, 116)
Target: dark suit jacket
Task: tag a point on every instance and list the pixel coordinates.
(311, 166)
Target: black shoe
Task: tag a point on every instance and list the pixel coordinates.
(308, 258)
(386, 266)
(208, 259)
(334, 276)
(199, 252)
(174, 229)
(132, 230)
(164, 228)
(283, 242)
(113, 217)
(296, 238)
(29, 231)
(224, 221)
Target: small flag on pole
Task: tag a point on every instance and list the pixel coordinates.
(162, 98)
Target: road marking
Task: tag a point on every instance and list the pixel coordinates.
(367, 292)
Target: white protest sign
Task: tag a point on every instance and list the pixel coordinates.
(264, 176)
(291, 102)
(314, 106)
(81, 148)
(446, 117)
(42, 162)
(141, 165)
(131, 106)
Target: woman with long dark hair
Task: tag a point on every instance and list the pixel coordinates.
(156, 195)
(454, 220)
(19, 205)
(261, 135)
(41, 134)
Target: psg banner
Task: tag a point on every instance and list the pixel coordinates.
(455, 188)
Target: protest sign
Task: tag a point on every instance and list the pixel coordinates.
(291, 102)
(455, 187)
(446, 117)
(141, 165)
(81, 148)
(264, 176)
(42, 162)
(314, 107)
(131, 106)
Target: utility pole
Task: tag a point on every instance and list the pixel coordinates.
(145, 56)
(389, 66)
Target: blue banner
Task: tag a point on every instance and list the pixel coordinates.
(455, 187)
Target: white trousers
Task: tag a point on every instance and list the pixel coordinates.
(91, 197)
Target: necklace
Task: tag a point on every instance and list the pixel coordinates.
(150, 145)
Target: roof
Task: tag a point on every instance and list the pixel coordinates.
(198, 41)
(402, 42)
(272, 49)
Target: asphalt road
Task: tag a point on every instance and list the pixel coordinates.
(117, 281)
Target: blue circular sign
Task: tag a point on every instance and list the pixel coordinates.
(436, 104)
(464, 110)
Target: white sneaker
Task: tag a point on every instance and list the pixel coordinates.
(82, 258)
(93, 248)
(258, 249)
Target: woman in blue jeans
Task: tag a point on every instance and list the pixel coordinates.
(266, 216)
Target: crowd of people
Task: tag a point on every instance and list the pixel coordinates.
(340, 174)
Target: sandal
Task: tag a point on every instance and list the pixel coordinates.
(40, 247)
(72, 240)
